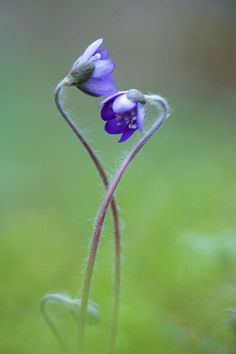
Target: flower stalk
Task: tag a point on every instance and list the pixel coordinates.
(158, 102)
(117, 242)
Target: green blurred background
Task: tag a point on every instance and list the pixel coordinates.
(177, 200)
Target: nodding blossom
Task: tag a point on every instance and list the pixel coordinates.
(124, 113)
(92, 72)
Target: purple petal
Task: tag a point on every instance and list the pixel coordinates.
(99, 87)
(103, 68)
(115, 126)
(141, 111)
(109, 98)
(107, 112)
(122, 104)
(126, 135)
(103, 52)
(91, 49)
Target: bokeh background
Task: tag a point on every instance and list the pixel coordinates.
(177, 200)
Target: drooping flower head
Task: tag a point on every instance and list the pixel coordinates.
(124, 113)
(92, 72)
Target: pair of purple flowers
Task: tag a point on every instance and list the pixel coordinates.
(123, 111)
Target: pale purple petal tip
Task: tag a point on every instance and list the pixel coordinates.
(91, 49)
(103, 68)
(122, 104)
(107, 99)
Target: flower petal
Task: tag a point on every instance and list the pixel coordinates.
(103, 68)
(90, 50)
(115, 126)
(126, 135)
(141, 112)
(103, 52)
(99, 87)
(122, 104)
(107, 112)
(109, 98)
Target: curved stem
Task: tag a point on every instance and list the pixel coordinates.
(114, 208)
(50, 323)
(153, 100)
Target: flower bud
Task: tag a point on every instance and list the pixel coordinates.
(93, 313)
(72, 306)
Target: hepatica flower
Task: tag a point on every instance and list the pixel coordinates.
(92, 72)
(124, 113)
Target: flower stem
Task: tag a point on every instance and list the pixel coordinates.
(152, 100)
(114, 208)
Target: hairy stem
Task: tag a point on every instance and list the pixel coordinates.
(158, 102)
(114, 208)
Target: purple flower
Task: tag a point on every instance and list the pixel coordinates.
(92, 72)
(124, 113)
